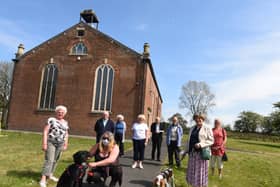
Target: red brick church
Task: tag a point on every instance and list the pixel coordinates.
(87, 71)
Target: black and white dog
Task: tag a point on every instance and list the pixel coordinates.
(73, 175)
(164, 179)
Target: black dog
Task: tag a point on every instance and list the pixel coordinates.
(73, 175)
(116, 173)
(100, 174)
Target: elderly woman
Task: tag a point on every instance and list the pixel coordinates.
(106, 154)
(200, 136)
(140, 140)
(218, 148)
(55, 139)
(120, 128)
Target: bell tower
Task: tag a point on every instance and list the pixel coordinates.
(89, 17)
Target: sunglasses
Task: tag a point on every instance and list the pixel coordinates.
(105, 138)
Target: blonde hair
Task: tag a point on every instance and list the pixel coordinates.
(111, 142)
(61, 107)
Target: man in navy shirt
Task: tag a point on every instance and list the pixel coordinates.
(102, 125)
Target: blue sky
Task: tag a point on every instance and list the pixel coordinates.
(232, 45)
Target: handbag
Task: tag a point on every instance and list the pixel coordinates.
(224, 157)
(205, 153)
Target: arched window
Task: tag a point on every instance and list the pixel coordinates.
(48, 87)
(103, 88)
(79, 49)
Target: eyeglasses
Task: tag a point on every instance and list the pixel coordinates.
(105, 138)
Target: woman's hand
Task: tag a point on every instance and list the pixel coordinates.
(216, 147)
(65, 147)
(44, 147)
(197, 146)
(92, 164)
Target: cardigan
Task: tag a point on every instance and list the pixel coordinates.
(205, 136)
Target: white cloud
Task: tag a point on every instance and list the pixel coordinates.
(249, 77)
(142, 27)
(261, 84)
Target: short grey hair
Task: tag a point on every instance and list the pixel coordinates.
(61, 107)
(120, 116)
(106, 113)
(141, 116)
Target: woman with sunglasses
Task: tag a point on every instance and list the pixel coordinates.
(106, 154)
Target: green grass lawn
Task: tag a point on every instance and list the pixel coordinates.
(21, 158)
(255, 164)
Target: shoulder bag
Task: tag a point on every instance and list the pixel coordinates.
(205, 153)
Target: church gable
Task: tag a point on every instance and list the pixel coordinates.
(81, 41)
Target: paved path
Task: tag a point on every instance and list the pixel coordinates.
(142, 177)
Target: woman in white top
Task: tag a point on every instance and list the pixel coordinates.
(140, 140)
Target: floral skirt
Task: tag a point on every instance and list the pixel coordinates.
(197, 170)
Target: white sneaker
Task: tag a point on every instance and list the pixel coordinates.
(141, 166)
(53, 178)
(42, 184)
(134, 165)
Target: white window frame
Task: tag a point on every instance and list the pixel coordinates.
(74, 49)
(47, 106)
(99, 109)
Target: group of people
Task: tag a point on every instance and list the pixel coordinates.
(106, 151)
(110, 138)
(203, 137)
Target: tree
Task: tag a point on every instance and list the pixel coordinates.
(196, 97)
(6, 69)
(248, 121)
(275, 121)
(180, 118)
(227, 127)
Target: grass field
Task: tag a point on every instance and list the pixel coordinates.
(251, 163)
(21, 158)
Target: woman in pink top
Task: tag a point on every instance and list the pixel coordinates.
(218, 148)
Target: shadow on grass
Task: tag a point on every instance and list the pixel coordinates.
(261, 144)
(24, 174)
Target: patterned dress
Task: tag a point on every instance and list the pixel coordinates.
(197, 170)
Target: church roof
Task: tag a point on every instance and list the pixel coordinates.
(106, 37)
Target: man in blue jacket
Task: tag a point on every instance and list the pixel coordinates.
(173, 140)
(102, 125)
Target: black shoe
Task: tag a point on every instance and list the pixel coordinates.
(152, 158)
(158, 160)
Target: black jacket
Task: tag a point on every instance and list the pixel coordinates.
(100, 129)
(153, 128)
